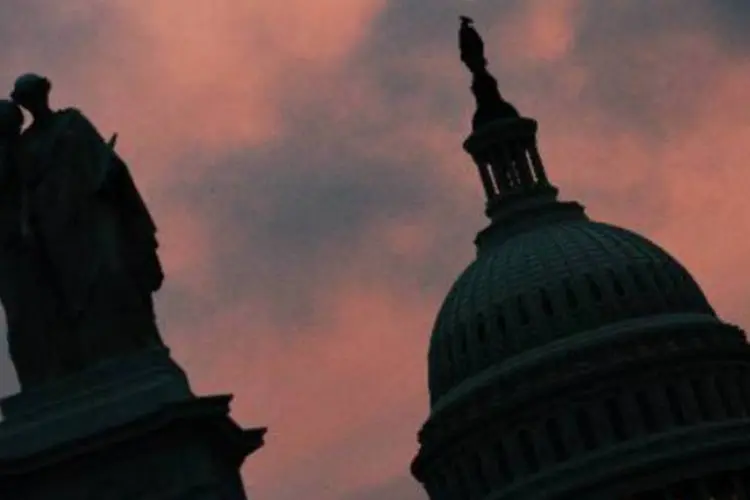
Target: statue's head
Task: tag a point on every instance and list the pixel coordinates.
(32, 92)
(11, 119)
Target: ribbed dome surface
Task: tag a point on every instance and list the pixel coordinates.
(547, 283)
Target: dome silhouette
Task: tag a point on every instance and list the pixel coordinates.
(573, 358)
(551, 283)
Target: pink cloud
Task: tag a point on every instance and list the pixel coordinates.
(539, 32)
(345, 395)
(328, 391)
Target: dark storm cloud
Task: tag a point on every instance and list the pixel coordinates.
(298, 226)
(628, 82)
(292, 217)
(298, 223)
(48, 37)
(299, 211)
(408, 33)
(731, 19)
(650, 70)
(410, 24)
(638, 53)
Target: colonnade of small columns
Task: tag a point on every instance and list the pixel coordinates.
(512, 166)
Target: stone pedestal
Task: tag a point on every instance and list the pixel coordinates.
(126, 430)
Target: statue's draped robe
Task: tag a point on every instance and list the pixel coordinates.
(96, 238)
(32, 311)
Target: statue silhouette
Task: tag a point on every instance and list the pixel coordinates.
(88, 242)
(490, 104)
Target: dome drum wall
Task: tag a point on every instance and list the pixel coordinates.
(601, 353)
(665, 467)
(550, 430)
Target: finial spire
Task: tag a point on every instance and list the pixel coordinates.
(502, 143)
(490, 104)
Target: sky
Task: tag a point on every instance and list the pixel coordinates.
(303, 162)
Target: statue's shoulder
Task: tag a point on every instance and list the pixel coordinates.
(70, 115)
(72, 119)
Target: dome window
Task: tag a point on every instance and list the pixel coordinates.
(546, 303)
(663, 285)
(570, 296)
(483, 483)
(440, 481)
(528, 451)
(615, 419)
(637, 279)
(741, 395)
(451, 362)
(700, 399)
(503, 464)
(658, 278)
(481, 331)
(674, 284)
(596, 292)
(674, 406)
(724, 399)
(500, 325)
(647, 412)
(482, 339)
(674, 277)
(523, 312)
(585, 427)
(462, 340)
(616, 285)
(555, 438)
(461, 481)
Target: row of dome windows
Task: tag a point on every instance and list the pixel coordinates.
(592, 427)
(649, 284)
(725, 485)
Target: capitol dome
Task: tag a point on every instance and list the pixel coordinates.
(573, 358)
(546, 282)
